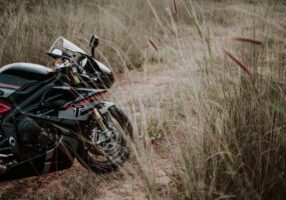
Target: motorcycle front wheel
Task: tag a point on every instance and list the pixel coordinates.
(112, 153)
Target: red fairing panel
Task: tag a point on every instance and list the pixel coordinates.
(4, 108)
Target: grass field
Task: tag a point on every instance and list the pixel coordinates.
(202, 81)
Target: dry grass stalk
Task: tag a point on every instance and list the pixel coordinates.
(249, 40)
(153, 44)
(239, 63)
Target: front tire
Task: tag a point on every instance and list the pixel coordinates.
(117, 151)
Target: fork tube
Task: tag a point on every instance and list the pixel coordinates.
(97, 117)
(74, 77)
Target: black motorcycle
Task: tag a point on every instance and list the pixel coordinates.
(49, 116)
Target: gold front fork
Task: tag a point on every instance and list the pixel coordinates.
(74, 77)
(97, 117)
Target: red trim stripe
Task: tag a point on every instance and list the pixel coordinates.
(85, 101)
(10, 86)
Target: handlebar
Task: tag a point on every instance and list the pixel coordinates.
(71, 69)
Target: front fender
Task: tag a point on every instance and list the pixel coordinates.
(105, 107)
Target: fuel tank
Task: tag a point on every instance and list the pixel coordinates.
(26, 70)
(15, 75)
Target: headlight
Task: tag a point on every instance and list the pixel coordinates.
(103, 67)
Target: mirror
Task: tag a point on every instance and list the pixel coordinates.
(57, 52)
(93, 43)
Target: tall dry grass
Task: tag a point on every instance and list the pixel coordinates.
(28, 28)
(217, 131)
(225, 126)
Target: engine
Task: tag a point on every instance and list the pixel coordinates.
(35, 137)
(28, 130)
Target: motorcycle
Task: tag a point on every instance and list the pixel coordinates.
(51, 116)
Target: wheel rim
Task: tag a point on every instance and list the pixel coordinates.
(111, 149)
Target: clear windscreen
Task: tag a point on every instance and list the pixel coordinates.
(66, 46)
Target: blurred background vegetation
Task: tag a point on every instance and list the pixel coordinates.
(29, 27)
